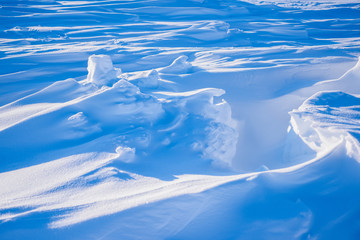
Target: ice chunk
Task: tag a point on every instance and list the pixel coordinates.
(220, 144)
(219, 136)
(127, 153)
(179, 65)
(149, 80)
(78, 117)
(126, 87)
(101, 70)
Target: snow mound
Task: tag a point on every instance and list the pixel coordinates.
(328, 118)
(179, 65)
(149, 79)
(101, 70)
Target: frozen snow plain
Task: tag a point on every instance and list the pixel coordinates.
(180, 119)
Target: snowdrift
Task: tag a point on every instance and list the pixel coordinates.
(190, 120)
(117, 127)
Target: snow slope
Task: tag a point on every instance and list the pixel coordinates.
(179, 119)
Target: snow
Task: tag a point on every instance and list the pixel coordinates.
(179, 119)
(92, 199)
(327, 118)
(179, 65)
(100, 70)
(317, 5)
(151, 80)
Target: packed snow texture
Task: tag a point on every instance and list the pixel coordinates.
(183, 119)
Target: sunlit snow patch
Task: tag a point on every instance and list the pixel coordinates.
(101, 70)
(84, 187)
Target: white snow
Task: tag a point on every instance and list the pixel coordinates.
(148, 79)
(310, 5)
(326, 119)
(44, 187)
(192, 119)
(179, 65)
(100, 70)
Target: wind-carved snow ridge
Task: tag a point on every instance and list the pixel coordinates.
(85, 183)
(327, 119)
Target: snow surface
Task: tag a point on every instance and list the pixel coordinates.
(189, 119)
(310, 5)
